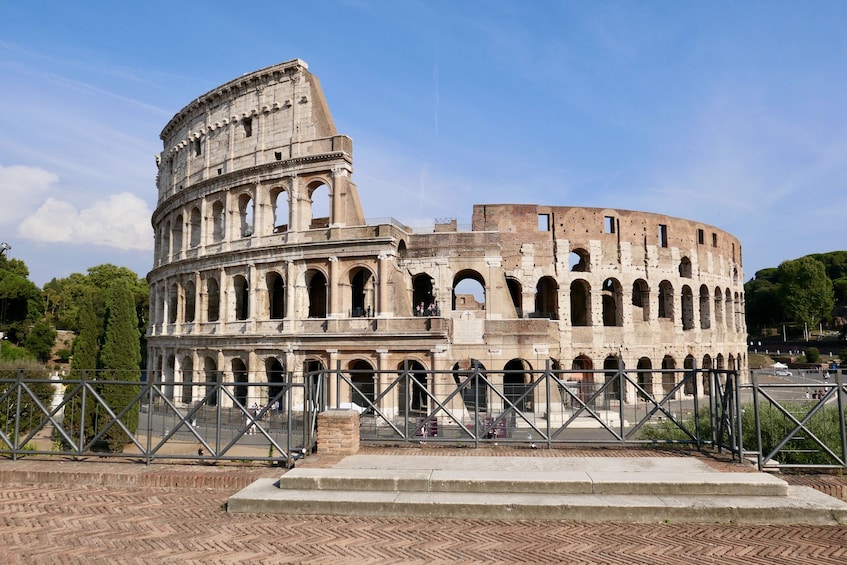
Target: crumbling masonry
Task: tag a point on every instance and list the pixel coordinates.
(265, 268)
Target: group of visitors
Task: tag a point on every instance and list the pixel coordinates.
(428, 310)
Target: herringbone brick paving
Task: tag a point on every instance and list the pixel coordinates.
(130, 513)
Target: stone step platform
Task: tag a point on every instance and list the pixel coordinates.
(635, 489)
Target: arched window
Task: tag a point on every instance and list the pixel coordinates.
(705, 316)
(413, 393)
(320, 206)
(240, 377)
(218, 221)
(210, 369)
(547, 299)
(187, 371)
(276, 296)
(579, 261)
(666, 300)
(194, 221)
(668, 374)
(685, 268)
(612, 303)
(468, 291)
(580, 303)
(466, 374)
(586, 378)
(275, 373)
(213, 293)
(245, 214)
(611, 366)
(316, 287)
(279, 202)
(645, 377)
(729, 314)
(515, 293)
(641, 300)
(177, 236)
(687, 308)
(173, 303)
(718, 307)
(423, 297)
(242, 297)
(516, 381)
(190, 301)
(362, 377)
(362, 298)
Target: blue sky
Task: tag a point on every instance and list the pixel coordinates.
(729, 113)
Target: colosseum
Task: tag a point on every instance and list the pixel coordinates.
(266, 268)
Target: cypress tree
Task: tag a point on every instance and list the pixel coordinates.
(83, 363)
(120, 359)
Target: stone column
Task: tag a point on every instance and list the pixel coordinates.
(334, 289)
(383, 303)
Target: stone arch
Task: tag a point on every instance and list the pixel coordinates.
(213, 297)
(241, 291)
(580, 303)
(685, 268)
(176, 237)
(586, 378)
(466, 284)
(474, 395)
(641, 300)
(718, 307)
(611, 364)
(173, 303)
(317, 292)
(666, 300)
(612, 294)
(362, 292)
(281, 210)
(517, 377)
(276, 295)
(515, 293)
(165, 248)
(579, 260)
(707, 381)
(218, 224)
(210, 374)
(423, 294)
(240, 379)
(190, 310)
(194, 228)
(720, 362)
(668, 374)
(362, 377)
(402, 252)
(414, 396)
(645, 377)
(275, 373)
(320, 204)
(690, 386)
(169, 376)
(547, 298)
(245, 214)
(186, 370)
(729, 315)
(687, 308)
(705, 300)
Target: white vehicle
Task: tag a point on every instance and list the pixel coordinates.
(783, 373)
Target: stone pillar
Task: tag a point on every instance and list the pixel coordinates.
(383, 308)
(382, 378)
(334, 289)
(338, 432)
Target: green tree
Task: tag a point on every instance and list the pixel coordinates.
(764, 307)
(120, 359)
(83, 368)
(806, 291)
(20, 299)
(41, 339)
(30, 414)
(812, 355)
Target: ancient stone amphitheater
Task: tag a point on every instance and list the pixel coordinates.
(266, 269)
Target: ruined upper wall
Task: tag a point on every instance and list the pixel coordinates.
(270, 115)
(625, 236)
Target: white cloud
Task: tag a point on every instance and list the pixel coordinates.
(122, 222)
(21, 189)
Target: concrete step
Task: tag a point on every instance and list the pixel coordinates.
(638, 489)
(535, 482)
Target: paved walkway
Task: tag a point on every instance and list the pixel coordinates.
(110, 512)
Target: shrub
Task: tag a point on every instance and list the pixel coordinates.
(30, 415)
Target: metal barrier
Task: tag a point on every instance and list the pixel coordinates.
(797, 428)
(217, 421)
(550, 407)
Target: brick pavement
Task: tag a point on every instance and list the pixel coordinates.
(108, 512)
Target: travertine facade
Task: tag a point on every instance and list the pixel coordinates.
(265, 267)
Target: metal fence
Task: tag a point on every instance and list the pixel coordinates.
(779, 424)
(218, 421)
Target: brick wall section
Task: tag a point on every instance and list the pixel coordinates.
(338, 432)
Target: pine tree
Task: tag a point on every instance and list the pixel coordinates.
(120, 359)
(83, 365)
